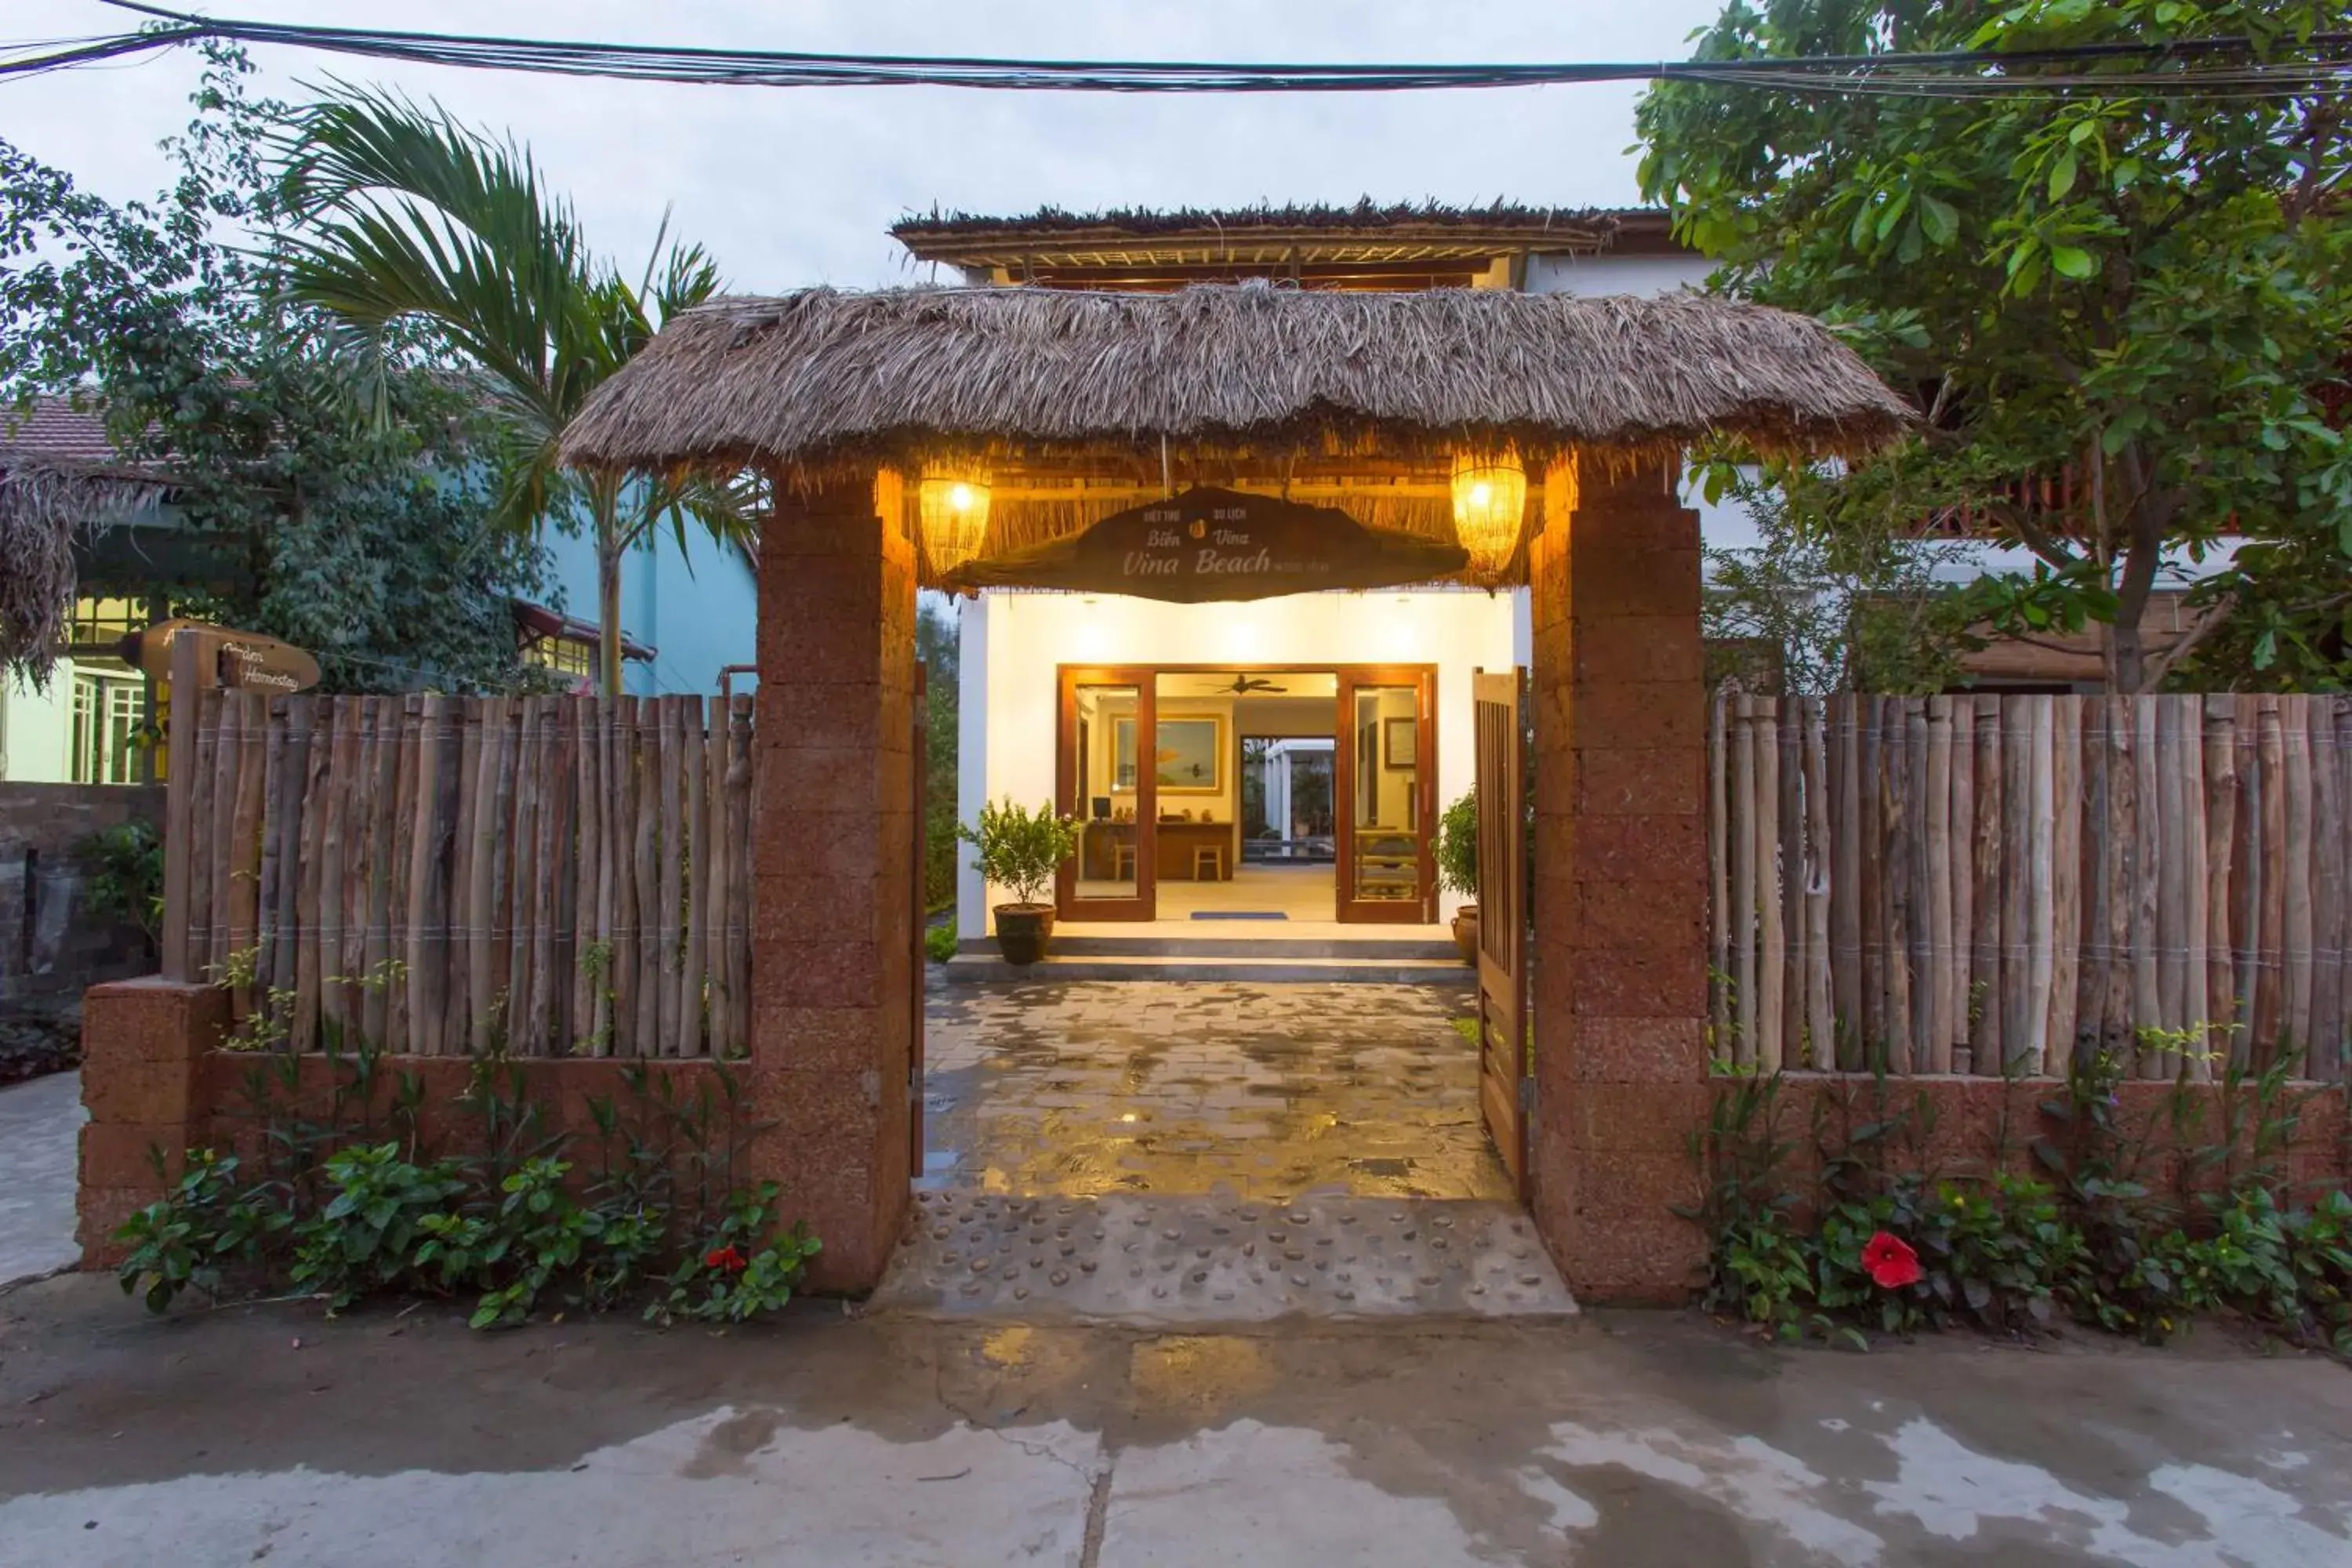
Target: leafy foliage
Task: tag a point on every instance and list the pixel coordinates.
(2149, 288)
(1457, 845)
(1020, 850)
(938, 648)
(352, 530)
(124, 865)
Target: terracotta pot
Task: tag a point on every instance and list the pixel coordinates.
(1023, 931)
(1466, 932)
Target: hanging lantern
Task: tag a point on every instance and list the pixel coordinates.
(954, 508)
(1490, 500)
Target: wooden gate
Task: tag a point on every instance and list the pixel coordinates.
(1503, 1081)
(920, 924)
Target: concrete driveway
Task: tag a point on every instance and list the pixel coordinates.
(40, 1124)
(1628, 1440)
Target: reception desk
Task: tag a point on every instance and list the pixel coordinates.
(1099, 842)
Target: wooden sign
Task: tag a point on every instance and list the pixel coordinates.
(1210, 543)
(240, 660)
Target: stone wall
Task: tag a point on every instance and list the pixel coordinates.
(50, 943)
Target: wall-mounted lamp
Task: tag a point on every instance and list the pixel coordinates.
(1490, 502)
(954, 510)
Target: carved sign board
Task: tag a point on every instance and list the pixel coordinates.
(246, 660)
(1210, 543)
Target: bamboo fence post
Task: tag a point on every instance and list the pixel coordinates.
(537, 894)
(2147, 853)
(1917, 930)
(376, 946)
(741, 727)
(276, 951)
(2091, 969)
(249, 716)
(1987, 963)
(2020, 1030)
(1718, 870)
(2172, 862)
(428, 894)
(457, 1018)
(2270, 961)
(334, 911)
(220, 842)
(1789, 866)
(1819, 1030)
(359, 856)
(628, 974)
(1846, 996)
(2328, 829)
(311, 960)
(722, 854)
(400, 1027)
(2066, 880)
(1941, 1006)
(671, 885)
(522, 851)
(1871, 1028)
(1743, 884)
(2195, 1004)
(482, 879)
(646, 861)
(694, 762)
(2299, 851)
(2220, 803)
(587, 981)
(1764, 809)
(1963, 829)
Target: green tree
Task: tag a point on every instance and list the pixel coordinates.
(2136, 281)
(937, 647)
(358, 537)
(415, 221)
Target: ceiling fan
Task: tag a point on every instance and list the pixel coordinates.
(1245, 685)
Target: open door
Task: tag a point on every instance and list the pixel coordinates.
(1387, 788)
(1106, 778)
(1503, 1081)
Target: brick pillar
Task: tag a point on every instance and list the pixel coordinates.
(1620, 880)
(141, 1042)
(833, 1007)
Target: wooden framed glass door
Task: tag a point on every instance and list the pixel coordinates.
(1387, 790)
(1103, 777)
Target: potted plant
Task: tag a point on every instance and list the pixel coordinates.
(1020, 851)
(1457, 868)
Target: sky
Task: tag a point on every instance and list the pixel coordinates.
(795, 187)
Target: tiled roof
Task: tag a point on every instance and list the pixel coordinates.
(53, 432)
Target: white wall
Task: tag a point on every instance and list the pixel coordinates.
(1607, 274)
(36, 729)
(1012, 643)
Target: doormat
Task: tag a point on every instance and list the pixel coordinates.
(1239, 915)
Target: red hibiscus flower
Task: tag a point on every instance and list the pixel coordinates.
(1889, 1261)
(725, 1257)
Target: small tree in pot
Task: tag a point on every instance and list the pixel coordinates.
(1021, 850)
(1457, 868)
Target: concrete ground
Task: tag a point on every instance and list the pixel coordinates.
(41, 1125)
(269, 1433)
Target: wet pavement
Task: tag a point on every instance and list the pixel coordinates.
(271, 1435)
(1220, 1260)
(1267, 1093)
(40, 1130)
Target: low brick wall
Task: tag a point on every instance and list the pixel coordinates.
(50, 943)
(154, 1082)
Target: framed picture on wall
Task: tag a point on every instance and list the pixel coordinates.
(1190, 756)
(1122, 748)
(1400, 745)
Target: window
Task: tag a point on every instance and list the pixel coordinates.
(564, 655)
(103, 623)
(105, 711)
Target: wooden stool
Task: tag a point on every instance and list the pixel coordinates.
(1212, 856)
(1122, 861)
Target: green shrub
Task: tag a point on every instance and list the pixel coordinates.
(1457, 846)
(124, 865)
(939, 941)
(1021, 850)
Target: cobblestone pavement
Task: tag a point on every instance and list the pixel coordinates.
(40, 1131)
(1256, 1091)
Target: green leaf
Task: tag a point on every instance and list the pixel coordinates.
(1938, 220)
(2073, 261)
(2062, 179)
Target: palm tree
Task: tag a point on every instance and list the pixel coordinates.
(406, 216)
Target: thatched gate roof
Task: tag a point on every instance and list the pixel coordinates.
(1046, 381)
(60, 475)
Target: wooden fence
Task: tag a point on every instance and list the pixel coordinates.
(1989, 884)
(439, 876)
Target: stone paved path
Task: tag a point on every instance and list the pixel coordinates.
(1269, 1092)
(40, 1126)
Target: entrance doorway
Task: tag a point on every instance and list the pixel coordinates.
(1260, 795)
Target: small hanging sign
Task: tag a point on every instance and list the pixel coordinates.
(246, 662)
(1210, 543)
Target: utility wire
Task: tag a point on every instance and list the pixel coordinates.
(2214, 67)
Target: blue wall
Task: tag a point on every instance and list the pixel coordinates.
(698, 608)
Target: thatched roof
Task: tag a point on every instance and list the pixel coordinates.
(1361, 215)
(60, 475)
(821, 379)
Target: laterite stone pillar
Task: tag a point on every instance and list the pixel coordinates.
(142, 1041)
(833, 994)
(1620, 880)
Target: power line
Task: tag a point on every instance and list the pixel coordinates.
(2213, 68)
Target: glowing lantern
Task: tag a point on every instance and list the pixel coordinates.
(1490, 499)
(954, 508)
